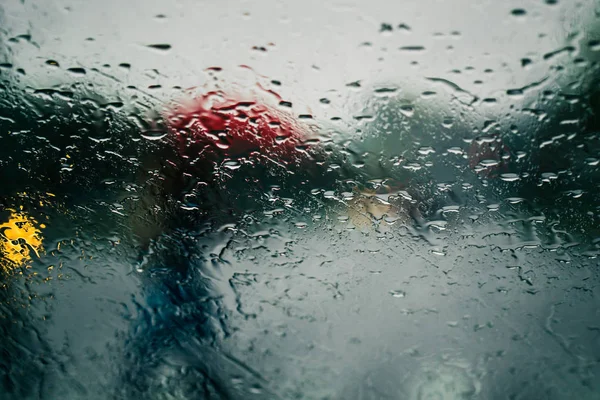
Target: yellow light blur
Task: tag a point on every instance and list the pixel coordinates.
(19, 236)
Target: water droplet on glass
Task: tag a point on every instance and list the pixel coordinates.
(426, 150)
(77, 71)
(412, 48)
(154, 135)
(407, 110)
(160, 47)
(509, 177)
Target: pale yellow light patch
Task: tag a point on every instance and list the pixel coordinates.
(363, 211)
(19, 236)
(368, 209)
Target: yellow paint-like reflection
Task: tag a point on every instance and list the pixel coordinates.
(19, 236)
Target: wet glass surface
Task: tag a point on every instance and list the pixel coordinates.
(301, 200)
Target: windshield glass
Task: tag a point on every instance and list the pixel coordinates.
(299, 200)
